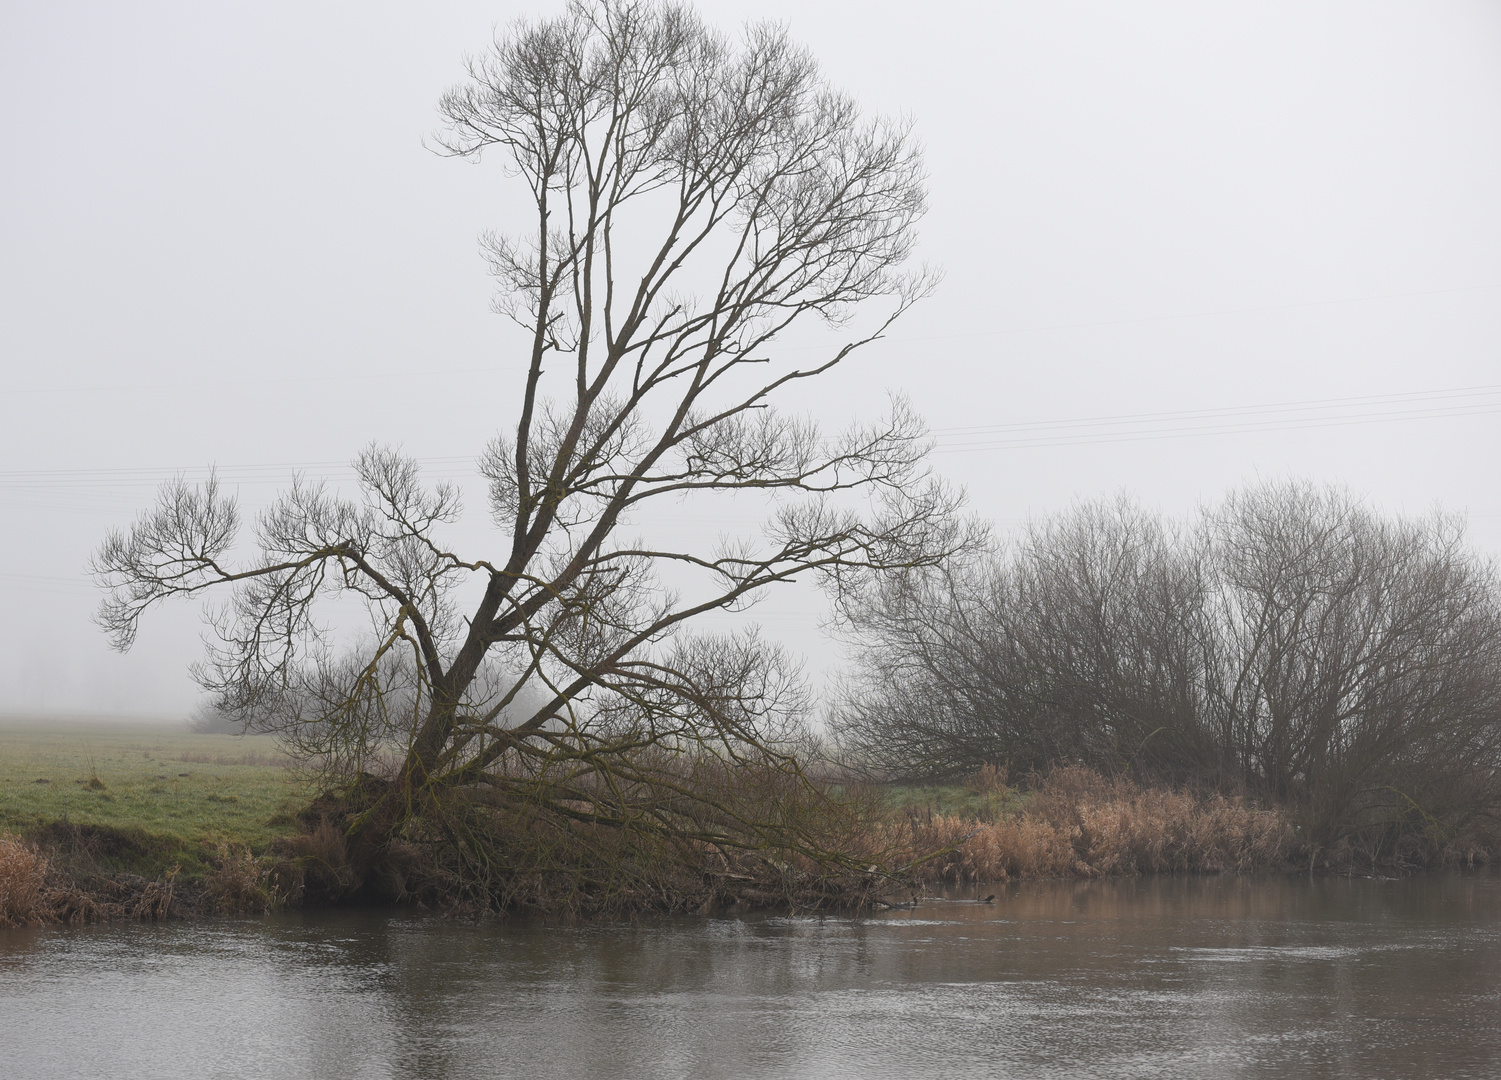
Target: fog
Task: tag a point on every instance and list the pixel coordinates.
(1185, 246)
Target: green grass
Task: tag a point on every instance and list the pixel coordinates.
(954, 800)
(180, 795)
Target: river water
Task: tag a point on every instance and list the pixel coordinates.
(1152, 977)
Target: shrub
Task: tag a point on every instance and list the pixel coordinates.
(1290, 644)
(23, 884)
(239, 883)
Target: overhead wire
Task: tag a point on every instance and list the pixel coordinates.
(992, 332)
(1483, 399)
(1232, 420)
(89, 490)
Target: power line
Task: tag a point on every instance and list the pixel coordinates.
(1204, 314)
(1239, 420)
(1487, 390)
(1096, 438)
(120, 388)
(1454, 402)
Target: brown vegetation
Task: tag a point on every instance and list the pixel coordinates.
(23, 883)
(240, 883)
(1081, 824)
(35, 889)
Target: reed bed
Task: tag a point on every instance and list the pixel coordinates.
(1081, 824)
(50, 886)
(23, 883)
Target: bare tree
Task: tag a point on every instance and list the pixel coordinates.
(1355, 671)
(1292, 644)
(1075, 643)
(693, 199)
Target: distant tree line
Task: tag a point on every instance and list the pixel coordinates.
(1289, 643)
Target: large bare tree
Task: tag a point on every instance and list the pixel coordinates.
(692, 199)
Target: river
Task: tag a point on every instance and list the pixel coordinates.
(1152, 977)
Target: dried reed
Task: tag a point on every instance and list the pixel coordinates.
(239, 884)
(23, 884)
(1081, 824)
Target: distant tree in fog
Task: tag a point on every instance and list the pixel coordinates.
(1290, 642)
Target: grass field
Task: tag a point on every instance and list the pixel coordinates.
(187, 793)
(955, 800)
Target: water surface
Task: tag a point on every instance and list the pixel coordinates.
(1155, 977)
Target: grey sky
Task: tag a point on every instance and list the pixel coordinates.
(221, 241)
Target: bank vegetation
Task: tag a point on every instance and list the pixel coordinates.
(1289, 647)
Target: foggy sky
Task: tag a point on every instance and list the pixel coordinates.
(1258, 239)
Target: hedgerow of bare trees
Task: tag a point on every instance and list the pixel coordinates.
(1290, 643)
(692, 199)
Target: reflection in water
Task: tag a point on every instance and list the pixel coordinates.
(1151, 977)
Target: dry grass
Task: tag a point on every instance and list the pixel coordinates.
(23, 883)
(313, 866)
(38, 887)
(989, 780)
(1080, 824)
(240, 884)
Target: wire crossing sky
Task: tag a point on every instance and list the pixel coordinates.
(1185, 246)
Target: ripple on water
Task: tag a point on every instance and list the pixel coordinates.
(1164, 978)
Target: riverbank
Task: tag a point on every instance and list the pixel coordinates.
(150, 824)
(1076, 823)
(110, 822)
